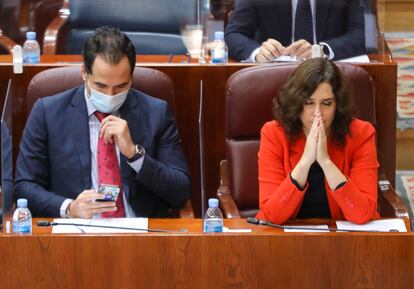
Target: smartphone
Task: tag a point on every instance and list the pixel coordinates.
(111, 193)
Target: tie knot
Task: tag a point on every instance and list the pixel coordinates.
(100, 115)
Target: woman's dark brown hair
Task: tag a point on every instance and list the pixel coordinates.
(301, 85)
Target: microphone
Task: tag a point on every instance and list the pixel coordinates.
(46, 223)
(266, 223)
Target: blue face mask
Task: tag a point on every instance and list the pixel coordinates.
(107, 103)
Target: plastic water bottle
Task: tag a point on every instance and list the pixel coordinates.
(22, 218)
(31, 48)
(219, 51)
(213, 220)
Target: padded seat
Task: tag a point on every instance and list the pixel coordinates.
(154, 26)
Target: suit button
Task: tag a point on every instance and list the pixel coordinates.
(283, 199)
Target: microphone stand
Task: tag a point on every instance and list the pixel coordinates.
(44, 223)
(266, 223)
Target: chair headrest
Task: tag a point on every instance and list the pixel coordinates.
(52, 81)
(131, 15)
(250, 92)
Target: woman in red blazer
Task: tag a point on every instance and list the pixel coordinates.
(315, 159)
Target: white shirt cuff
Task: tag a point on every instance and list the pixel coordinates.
(331, 54)
(137, 165)
(252, 57)
(63, 208)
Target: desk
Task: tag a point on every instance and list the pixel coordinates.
(186, 78)
(265, 258)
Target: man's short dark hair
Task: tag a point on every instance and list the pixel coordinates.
(111, 44)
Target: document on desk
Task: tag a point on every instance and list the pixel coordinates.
(228, 230)
(386, 225)
(356, 59)
(70, 226)
(285, 58)
(312, 229)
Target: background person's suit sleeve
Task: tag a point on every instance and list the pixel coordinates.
(351, 42)
(240, 31)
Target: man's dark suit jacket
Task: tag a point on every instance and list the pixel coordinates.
(54, 162)
(340, 23)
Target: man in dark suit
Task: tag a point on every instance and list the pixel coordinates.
(59, 168)
(262, 30)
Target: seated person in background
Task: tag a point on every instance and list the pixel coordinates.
(262, 30)
(102, 134)
(315, 159)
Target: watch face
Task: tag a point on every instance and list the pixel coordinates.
(140, 150)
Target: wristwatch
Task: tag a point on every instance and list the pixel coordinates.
(139, 152)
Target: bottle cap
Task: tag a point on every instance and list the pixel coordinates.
(31, 35)
(219, 35)
(22, 203)
(213, 203)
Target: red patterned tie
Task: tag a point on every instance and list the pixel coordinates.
(108, 170)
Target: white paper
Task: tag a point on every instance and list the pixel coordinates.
(228, 230)
(285, 58)
(386, 225)
(139, 223)
(356, 59)
(295, 229)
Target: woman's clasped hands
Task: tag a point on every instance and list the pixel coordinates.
(316, 143)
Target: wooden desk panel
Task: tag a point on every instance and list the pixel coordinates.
(187, 78)
(265, 258)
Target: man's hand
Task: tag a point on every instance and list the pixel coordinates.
(269, 50)
(300, 49)
(84, 206)
(116, 129)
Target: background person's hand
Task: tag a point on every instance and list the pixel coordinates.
(300, 49)
(84, 206)
(269, 50)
